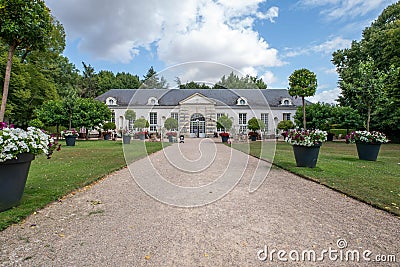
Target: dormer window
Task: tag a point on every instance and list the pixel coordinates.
(286, 102)
(111, 101)
(152, 101)
(241, 101)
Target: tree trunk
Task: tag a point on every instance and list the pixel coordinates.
(369, 118)
(70, 121)
(304, 113)
(11, 51)
(58, 132)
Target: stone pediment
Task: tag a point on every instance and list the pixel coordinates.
(197, 99)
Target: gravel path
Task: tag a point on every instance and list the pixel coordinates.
(115, 223)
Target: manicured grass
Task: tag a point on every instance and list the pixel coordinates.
(70, 169)
(376, 183)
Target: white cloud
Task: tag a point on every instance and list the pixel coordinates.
(337, 9)
(182, 31)
(328, 96)
(269, 78)
(271, 14)
(325, 48)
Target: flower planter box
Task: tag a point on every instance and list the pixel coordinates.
(368, 151)
(253, 137)
(107, 136)
(126, 139)
(224, 139)
(13, 177)
(170, 138)
(306, 156)
(142, 137)
(70, 140)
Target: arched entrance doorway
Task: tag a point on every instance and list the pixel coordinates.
(197, 125)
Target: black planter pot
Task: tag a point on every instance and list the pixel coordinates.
(224, 139)
(12, 180)
(70, 140)
(170, 138)
(368, 151)
(126, 139)
(330, 137)
(306, 156)
(253, 137)
(107, 136)
(142, 137)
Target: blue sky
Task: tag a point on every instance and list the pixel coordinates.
(268, 38)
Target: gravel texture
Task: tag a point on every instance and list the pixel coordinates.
(115, 223)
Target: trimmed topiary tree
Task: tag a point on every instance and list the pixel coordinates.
(255, 124)
(224, 122)
(171, 123)
(303, 83)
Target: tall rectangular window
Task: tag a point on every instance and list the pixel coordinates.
(286, 116)
(242, 122)
(264, 118)
(242, 118)
(175, 115)
(153, 121)
(219, 115)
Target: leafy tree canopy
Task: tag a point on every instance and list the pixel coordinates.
(171, 123)
(225, 123)
(255, 124)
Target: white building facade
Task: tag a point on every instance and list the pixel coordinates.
(197, 110)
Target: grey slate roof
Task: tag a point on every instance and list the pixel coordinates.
(172, 97)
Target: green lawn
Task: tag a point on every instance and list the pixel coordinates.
(376, 183)
(70, 169)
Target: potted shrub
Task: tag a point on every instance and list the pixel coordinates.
(285, 125)
(306, 145)
(303, 83)
(126, 136)
(108, 128)
(224, 123)
(254, 125)
(17, 149)
(70, 136)
(141, 124)
(171, 124)
(171, 136)
(368, 143)
(224, 137)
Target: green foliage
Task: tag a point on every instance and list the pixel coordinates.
(380, 45)
(170, 123)
(325, 116)
(25, 23)
(285, 125)
(51, 113)
(36, 123)
(302, 83)
(109, 126)
(89, 113)
(194, 85)
(152, 81)
(141, 123)
(225, 123)
(130, 114)
(255, 124)
(233, 81)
